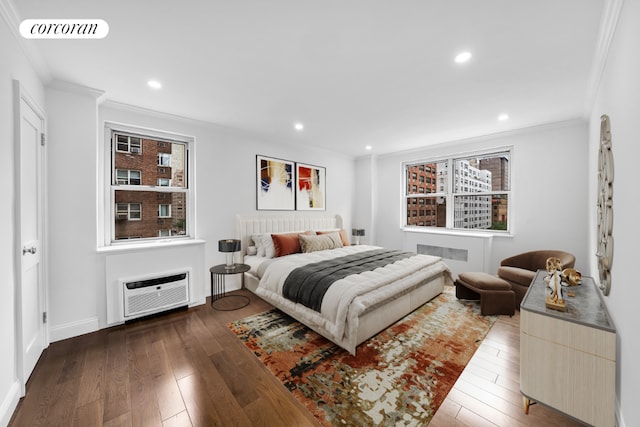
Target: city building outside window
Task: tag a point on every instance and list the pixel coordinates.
(148, 186)
(466, 192)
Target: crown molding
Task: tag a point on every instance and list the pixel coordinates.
(608, 24)
(559, 124)
(65, 86)
(12, 18)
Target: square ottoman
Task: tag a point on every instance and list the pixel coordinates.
(494, 293)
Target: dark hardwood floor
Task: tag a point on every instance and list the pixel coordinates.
(187, 369)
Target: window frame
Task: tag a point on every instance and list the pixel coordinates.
(108, 186)
(450, 196)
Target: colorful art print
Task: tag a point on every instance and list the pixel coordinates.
(274, 178)
(310, 187)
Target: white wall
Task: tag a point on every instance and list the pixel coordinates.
(225, 186)
(549, 171)
(14, 65)
(72, 186)
(364, 199)
(619, 97)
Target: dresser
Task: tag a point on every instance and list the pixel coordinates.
(568, 359)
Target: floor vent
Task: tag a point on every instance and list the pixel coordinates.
(149, 296)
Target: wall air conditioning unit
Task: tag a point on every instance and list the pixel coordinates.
(150, 296)
(122, 216)
(135, 150)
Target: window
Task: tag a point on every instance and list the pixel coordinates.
(470, 192)
(164, 211)
(129, 211)
(149, 192)
(128, 177)
(129, 144)
(164, 159)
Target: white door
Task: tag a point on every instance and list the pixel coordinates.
(30, 292)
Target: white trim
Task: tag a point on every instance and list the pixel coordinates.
(74, 329)
(106, 192)
(10, 15)
(450, 195)
(149, 245)
(9, 403)
(68, 87)
(619, 419)
(19, 96)
(451, 144)
(608, 24)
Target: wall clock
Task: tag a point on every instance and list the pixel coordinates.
(605, 206)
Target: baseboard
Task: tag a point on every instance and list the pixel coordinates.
(9, 403)
(619, 419)
(73, 329)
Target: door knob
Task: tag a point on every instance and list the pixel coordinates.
(31, 250)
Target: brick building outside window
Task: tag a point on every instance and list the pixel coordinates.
(149, 187)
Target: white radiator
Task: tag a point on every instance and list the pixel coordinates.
(149, 296)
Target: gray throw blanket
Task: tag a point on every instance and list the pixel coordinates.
(307, 285)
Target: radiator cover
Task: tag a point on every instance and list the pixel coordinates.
(156, 294)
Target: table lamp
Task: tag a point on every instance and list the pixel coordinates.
(357, 232)
(229, 246)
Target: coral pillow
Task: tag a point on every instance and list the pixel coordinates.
(286, 244)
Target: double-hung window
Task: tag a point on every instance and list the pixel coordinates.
(149, 192)
(459, 192)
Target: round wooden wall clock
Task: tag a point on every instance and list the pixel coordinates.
(605, 205)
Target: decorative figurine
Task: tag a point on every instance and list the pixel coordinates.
(553, 280)
(571, 276)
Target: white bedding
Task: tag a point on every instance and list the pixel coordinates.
(352, 296)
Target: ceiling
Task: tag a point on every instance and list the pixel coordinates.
(355, 73)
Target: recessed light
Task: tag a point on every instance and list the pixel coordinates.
(298, 126)
(368, 148)
(154, 84)
(502, 117)
(463, 57)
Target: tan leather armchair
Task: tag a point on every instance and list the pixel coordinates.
(519, 270)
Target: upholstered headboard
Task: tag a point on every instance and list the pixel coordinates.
(248, 225)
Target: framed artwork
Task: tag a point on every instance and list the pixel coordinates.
(274, 179)
(310, 188)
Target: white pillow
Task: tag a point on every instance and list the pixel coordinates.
(269, 248)
(257, 240)
(252, 250)
(264, 245)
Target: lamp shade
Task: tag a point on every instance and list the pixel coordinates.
(229, 245)
(357, 231)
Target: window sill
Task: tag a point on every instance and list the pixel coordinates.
(458, 233)
(160, 244)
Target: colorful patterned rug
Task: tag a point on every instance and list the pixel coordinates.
(399, 377)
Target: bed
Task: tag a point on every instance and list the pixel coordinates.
(356, 306)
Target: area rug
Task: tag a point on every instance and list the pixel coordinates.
(399, 377)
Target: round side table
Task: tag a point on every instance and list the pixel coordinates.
(218, 286)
